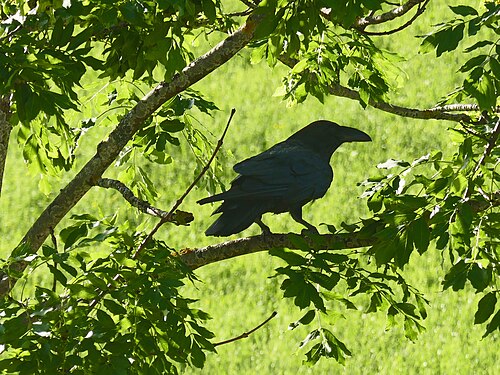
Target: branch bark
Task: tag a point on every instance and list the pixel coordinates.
(5, 130)
(108, 150)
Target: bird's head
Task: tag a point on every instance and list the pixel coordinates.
(325, 136)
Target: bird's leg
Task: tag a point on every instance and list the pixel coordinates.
(265, 229)
(297, 216)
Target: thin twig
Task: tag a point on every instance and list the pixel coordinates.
(397, 12)
(246, 334)
(420, 10)
(5, 130)
(54, 242)
(188, 190)
(489, 147)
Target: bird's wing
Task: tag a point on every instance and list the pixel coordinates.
(281, 173)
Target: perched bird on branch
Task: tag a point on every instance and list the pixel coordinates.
(281, 179)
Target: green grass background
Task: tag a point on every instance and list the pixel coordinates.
(238, 293)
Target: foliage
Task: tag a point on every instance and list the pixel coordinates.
(111, 313)
(114, 302)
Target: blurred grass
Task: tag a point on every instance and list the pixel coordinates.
(237, 292)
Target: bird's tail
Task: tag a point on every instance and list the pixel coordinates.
(213, 198)
(233, 220)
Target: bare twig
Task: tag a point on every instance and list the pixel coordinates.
(169, 215)
(5, 130)
(246, 334)
(188, 190)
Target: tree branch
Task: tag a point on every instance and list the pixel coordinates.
(418, 13)
(108, 150)
(435, 113)
(195, 258)
(244, 335)
(399, 11)
(5, 130)
(178, 217)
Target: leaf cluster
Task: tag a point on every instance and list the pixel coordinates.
(448, 205)
(109, 313)
(325, 283)
(483, 68)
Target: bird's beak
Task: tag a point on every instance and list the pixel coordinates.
(354, 135)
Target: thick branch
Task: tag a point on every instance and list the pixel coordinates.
(5, 129)
(436, 113)
(196, 258)
(109, 149)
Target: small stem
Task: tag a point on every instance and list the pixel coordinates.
(246, 334)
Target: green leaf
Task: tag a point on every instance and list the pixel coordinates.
(326, 281)
(480, 44)
(464, 10)
(209, 9)
(313, 335)
(495, 67)
(485, 308)
(72, 234)
(114, 307)
(375, 302)
(493, 325)
(172, 125)
(105, 320)
(444, 40)
(473, 62)
(58, 275)
(267, 26)
(384, 251)
(293, 259)
(479, 277)
(483, 90)
(456, 277)
(420, 234)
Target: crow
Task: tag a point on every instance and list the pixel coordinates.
(281, 179)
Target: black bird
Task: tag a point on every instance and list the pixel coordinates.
(282, 178)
